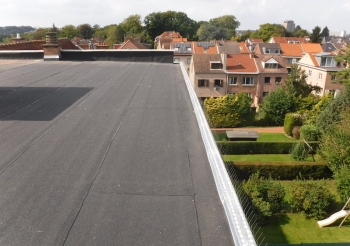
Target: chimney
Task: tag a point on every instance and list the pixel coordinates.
(52, 50)
(18, 39)
(224, 60)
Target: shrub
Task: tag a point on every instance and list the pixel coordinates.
(266, 196)
(311, 197)
(251, 147)
(299, 151)
(291, 120)
(309, 132)
(342, 181)
(281, 170)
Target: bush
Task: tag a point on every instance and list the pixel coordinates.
(311, 197)
(281, 170)
(342, 181)
(299, 151)
(251, 147)
(296, 132)
(309, 132)
(266, 196)
(291, 120)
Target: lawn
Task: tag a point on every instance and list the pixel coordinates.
(295, 228)
(263, 137)
(261, 157)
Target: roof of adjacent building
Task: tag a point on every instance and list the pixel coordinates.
(259, 59)
(288, 40)
(65, 43)
(311, 47)
(132, 43)
(243, 48)
(228, 47)
(240, 63)
(201, 63)
(328, 47)
(259, 47)
(205, 48)
(184, 48)
(297, 50)
(254, 40)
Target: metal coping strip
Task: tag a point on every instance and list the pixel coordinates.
(240, 230)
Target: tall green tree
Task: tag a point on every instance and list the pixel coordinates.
(325, 32)
(132, 26)
(158, 22)
(68, 31)
(315, 35)
(299, 32)
(228, 22)
(85, 31)
(212, 32)
(296, 83)
(343, 57)
(115, 35)
(266, 31)
(276, 105)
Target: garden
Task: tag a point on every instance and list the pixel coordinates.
(289, 181)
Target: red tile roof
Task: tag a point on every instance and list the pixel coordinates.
(291, 49)
(289, 39)
(311, 48)
(240, 63)
(201, 50)
(243, 47)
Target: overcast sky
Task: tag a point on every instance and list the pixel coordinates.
(250, 13)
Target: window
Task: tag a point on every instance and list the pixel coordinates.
(176, 60)
(250, 95)
(291, 60)
(248, 81)
(189, 49)
(233, 81)
(310, 73)
(278, 80)
(265, 93)
(267, 51)
(218, 83)
(215, 65)
(326, 61)
(271, 65)
(188, 60)
(289, 70)
(203, 83)
(320, 76)
(267, 80)
(333, 77)
(277, 51)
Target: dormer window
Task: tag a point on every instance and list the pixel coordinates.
(216, 65)
(327, 62)
(271, 63)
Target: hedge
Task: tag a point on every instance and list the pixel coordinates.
(250, 147)
(281, 170)
(290, 121)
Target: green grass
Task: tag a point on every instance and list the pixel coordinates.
(263, 137)
(261, 157)
(295, 228)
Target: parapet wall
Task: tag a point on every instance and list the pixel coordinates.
(118, 55)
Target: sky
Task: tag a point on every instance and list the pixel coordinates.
(250, 13)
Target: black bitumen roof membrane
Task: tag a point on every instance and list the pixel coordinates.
(103, 153)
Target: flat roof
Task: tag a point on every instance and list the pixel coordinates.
(90, 157)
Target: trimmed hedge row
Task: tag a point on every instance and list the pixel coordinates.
(249, 147)
(281, 170)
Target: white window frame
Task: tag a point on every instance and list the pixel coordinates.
(310, 73)
(271, 65)
(320, 76)
(188, 60)
(278, 82)
(233, 80)
(176, 60)
(245, 81)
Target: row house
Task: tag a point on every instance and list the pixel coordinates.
(215, 75)
(320, 69)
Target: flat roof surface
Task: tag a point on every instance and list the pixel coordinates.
(103, 153)
(242, 134)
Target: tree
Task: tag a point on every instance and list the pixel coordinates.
(227, 111)
(211, 32)
(343, 57)
(132, 26)
(315, 36)
(325, 32)
(296, 83)
(266, 31)
(244, 36)
(276, 105)
(115, 35)
(228, 22)
(68, 31)
(85, 31)
(335, 143)
(299, 32)
(158, 22)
